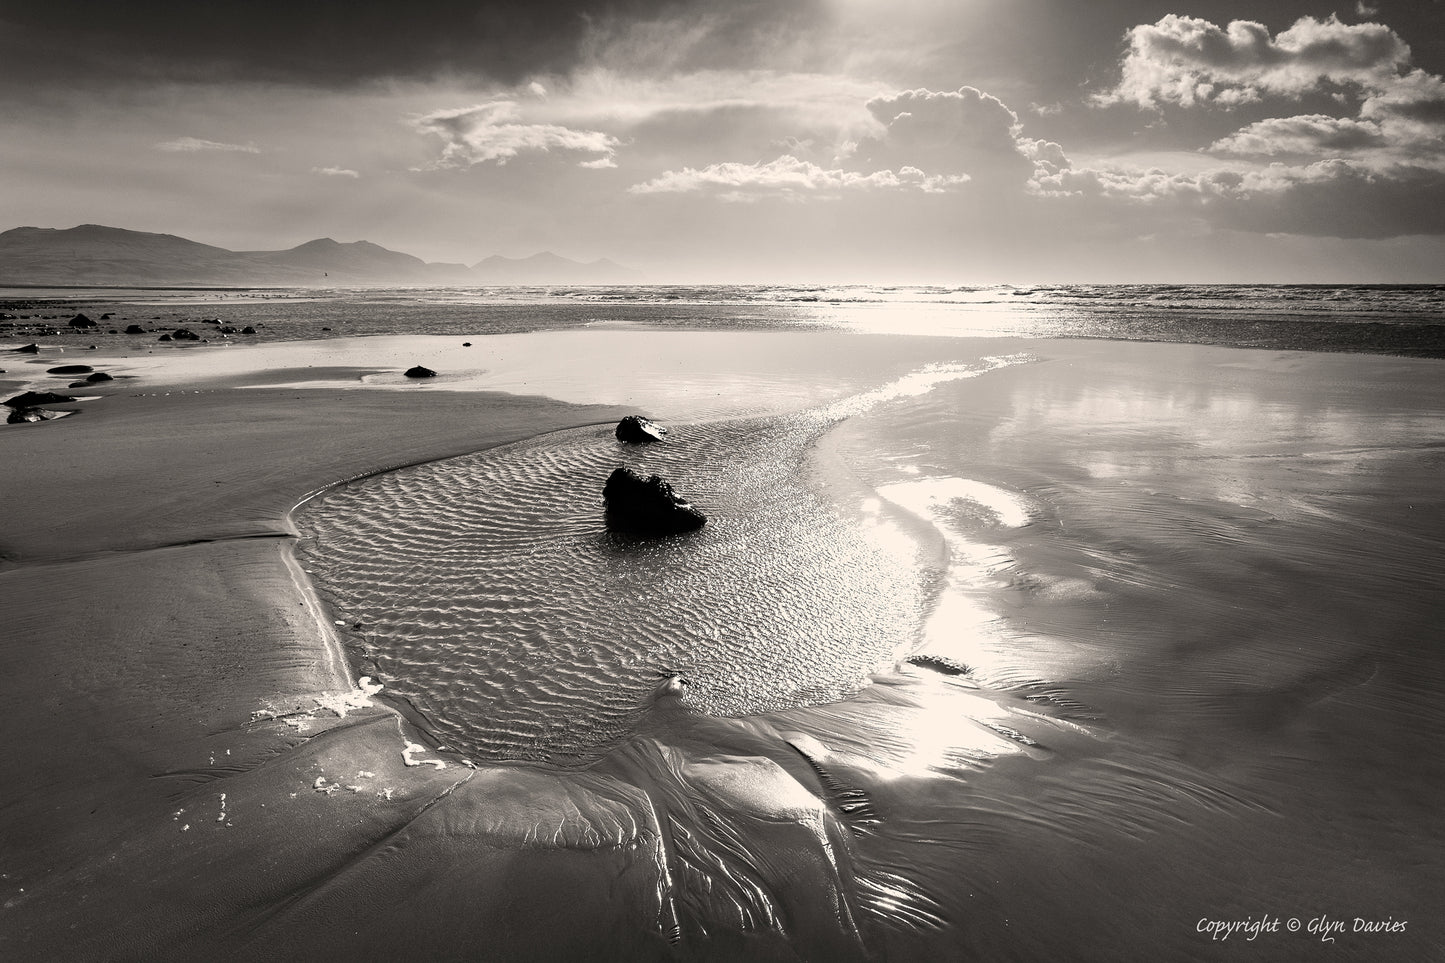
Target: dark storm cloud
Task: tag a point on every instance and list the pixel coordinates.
(330, 42)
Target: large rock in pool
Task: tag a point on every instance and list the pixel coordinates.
(34, 399)
(647, 506)
(637, 429)
(420, 372)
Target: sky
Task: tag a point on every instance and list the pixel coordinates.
(801, 141)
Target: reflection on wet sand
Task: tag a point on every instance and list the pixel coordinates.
(1177, 610)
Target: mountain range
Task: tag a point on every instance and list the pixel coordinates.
(93, 255)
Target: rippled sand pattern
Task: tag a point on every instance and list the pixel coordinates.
(491, 597)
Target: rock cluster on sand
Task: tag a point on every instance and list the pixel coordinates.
(647, 506)
(420, 372)
(636, 429)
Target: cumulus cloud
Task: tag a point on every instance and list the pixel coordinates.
(916, 140)
(1189, 62)
(335, 171)
(494, 132)
(964, 130)
(193, 144)
(790, 177)
(1402, 123)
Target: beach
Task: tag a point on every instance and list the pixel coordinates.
(1165, 655)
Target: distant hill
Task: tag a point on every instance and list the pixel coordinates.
(95, 255)
(549, 268)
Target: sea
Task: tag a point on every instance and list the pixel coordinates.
(1109, 619)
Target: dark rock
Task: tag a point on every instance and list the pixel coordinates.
(248, 330)
(78, 384)
(70, 369)
(99, 376)
(33, 399)
(466, 344)
(226, 329)
(184, 334)
(938, 663)
(81, 321)
(22, 416)
(325, 329)
(637, 429)
(28, 349)
(647, 506)
(107, 316)
(164, 337)
(420, 372)
(134, 329)
(112, 331)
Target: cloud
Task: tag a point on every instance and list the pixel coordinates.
(1189, 62)
(1329, 198)
(335, 171)
(792, 178)
(1305, 134)
(953, 131)
(193, 144)
(917, 140)
(493, 132)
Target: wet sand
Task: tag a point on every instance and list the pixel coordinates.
(194, 772)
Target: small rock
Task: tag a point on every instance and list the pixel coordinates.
(28, 349)
(134, 329)
(466, 344)
(647, 506)
(164, 337)
(637, 429)
(420, 372)
(99, 376)
(248, 330)
(33, 399)
(81, 321)
(184, 334)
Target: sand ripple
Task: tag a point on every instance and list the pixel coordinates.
(490, 596)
